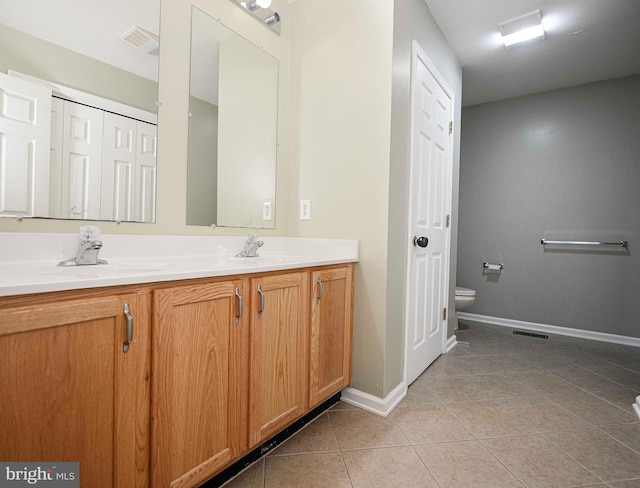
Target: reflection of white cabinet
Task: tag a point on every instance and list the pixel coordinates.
(24, 169)
(128, 169)
(62, 157)
(103, 165)
(81, 165)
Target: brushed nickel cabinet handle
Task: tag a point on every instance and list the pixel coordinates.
(127, 314)
(240, 306)
(261, 293)
(320, 289)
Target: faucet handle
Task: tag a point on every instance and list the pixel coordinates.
(252, 238)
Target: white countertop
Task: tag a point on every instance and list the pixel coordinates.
(28, 262)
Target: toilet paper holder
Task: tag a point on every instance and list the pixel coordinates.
(493, 266)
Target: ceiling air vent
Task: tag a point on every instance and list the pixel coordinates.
(141, 39)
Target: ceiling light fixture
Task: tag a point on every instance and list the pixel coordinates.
(258, 3)
(524, 28)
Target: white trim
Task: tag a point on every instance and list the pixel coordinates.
(451, 343)
(374, 404)
(84, 98)
(636, 406)
(552, 329)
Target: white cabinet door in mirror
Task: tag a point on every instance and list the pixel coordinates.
(25, 118)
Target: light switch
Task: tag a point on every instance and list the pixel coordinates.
(305, 209)
(267, 211)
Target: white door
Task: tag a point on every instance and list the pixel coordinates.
(118, 168)
(25, 111)
(81, 161)
(430, 203)
(55, 158)
(146, 160)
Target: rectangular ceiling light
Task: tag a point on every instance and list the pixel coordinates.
(523, 28)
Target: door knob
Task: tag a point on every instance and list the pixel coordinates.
(420, 241)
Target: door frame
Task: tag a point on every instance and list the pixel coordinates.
(419, 55)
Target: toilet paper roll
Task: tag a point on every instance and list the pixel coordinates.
(493, 266)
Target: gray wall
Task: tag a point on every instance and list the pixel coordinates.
(202, 166)
(562, 164)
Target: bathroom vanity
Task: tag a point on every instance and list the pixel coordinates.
(165, 373)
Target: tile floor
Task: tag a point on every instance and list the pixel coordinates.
(502, 411)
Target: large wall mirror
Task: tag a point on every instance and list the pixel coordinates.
(232, 129)
(78, 87)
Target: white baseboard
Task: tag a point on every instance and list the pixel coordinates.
(451, 343)
(552, 329)
(636, 406)
(374, 404)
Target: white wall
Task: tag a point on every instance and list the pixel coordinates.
(349, 119)
(561, 165)
(340, 122)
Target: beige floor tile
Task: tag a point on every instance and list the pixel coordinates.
(543, 415)
(418, 395)
(253, 477)
(424, 424)
(396, 467)
(497, 386)
(343, 406)
(620, 397)
(546, 383)
(453, 388)
(324, 470)
(538, 463)
(598, 452)
(318, 436)
(357, 429)
(622, 376)
(445, 365)
(585, 379)
(488, 418)
(465, 464)
(628, 434)
(626, 484)
(593, 409)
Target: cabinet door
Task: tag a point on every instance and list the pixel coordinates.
(24, 148)
(278, 353)
(145, 172)
(81, 161)
(331, 332)
(118, 168)
(69, 391)
(199, 386)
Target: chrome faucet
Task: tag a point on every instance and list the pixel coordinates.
(87, 254)
(250, 249)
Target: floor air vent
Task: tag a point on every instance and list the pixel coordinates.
(531, 334)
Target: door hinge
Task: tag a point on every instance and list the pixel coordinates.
(448, 220)
(444, 314)
(450, 127)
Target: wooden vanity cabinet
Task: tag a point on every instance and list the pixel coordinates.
(69, 390)
(331, 332)
(200, 381)
(278, 353)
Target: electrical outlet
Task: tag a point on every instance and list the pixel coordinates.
(267, 211)
(305, 209)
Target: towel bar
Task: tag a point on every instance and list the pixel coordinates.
(544, 242)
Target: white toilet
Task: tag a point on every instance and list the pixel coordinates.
(464, 299)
